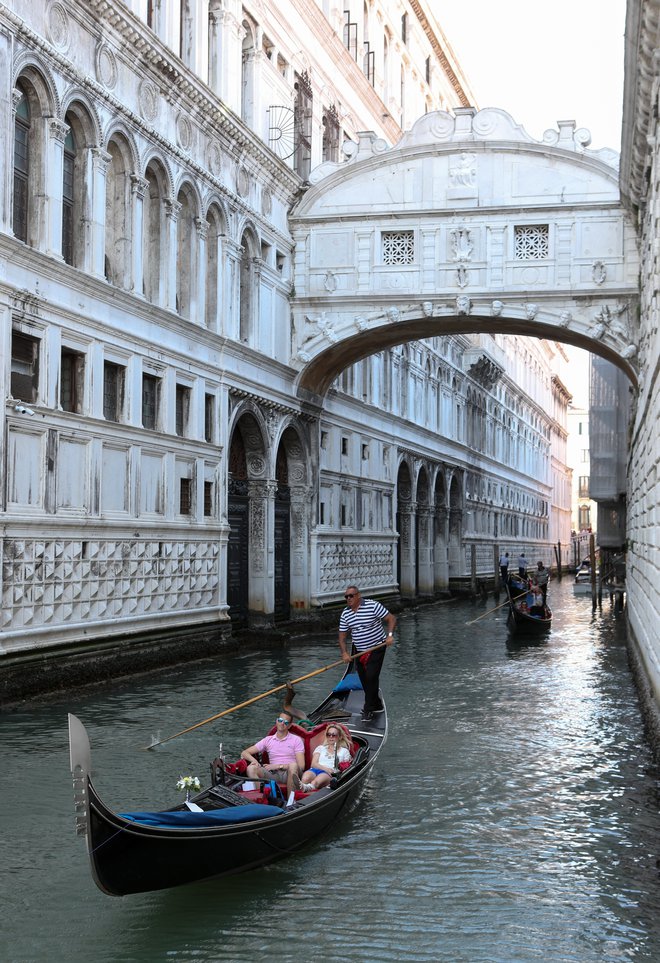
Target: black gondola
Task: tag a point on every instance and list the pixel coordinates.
(231, 832)
(523, 616)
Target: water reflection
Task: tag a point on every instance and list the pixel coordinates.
(514, 816)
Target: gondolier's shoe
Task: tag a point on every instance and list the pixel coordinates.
(367, 717)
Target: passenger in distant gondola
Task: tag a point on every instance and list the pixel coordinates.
(286, 754)
(504, 567)
(522, 565)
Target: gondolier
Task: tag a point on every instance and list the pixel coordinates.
(364, 618)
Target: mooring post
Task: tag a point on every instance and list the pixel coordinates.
(592, 558)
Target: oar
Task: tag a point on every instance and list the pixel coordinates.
(278, 688)
(490, 611)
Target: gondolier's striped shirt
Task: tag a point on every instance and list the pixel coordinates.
(365, 625)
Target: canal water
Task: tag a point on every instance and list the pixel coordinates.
(513, 815)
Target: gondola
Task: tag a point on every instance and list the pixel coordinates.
(227, 827)
(521, 616)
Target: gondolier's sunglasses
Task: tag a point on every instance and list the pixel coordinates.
(351, 595)
(287, 722)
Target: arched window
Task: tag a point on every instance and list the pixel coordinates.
(21, 168)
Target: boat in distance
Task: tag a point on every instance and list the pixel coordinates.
(233, 824)
(525, 613)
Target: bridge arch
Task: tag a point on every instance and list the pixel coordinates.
(467, 226)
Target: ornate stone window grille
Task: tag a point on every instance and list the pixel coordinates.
(398, 247)
(531, 241)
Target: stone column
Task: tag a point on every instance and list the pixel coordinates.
(100, 163)
(440, 558)
(198, 290)
(301, 506)
(261, 595)
(172, 210)
(231, 288)
(425, 549)
(139, 187)
(407, 549)
(54, 187)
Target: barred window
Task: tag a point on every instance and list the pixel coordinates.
(531, 241)
(150, 400)
(398, 247)
(113, 391)
(185, 496)
(208, 499)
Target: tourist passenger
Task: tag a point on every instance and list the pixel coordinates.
(363, 618)
(504, 566)
(286, 754)
(522, 565)
(333, 750)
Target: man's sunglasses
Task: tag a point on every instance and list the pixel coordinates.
(287, 722)
(351, 595)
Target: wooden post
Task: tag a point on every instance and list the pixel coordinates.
(496, 566)
(473, 570)
(592, 557)
(559, 561)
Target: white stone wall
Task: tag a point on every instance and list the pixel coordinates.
(640, 173)
(182, 272)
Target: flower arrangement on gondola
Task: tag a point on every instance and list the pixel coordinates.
(188, 784)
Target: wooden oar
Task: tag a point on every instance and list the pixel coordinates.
(490, 611)
(248, 702)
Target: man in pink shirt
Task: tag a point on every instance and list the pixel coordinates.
(286, 754)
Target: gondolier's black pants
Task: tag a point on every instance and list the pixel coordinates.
(369, 675)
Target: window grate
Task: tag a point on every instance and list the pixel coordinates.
(398, 247)
(531, 241)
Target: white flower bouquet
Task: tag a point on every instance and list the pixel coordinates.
(189, 784)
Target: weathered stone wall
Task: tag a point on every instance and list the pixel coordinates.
(640, 169)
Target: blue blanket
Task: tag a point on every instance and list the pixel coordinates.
(215, 817)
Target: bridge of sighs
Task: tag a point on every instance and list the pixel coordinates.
(467, 225)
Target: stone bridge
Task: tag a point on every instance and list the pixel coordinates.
(467, 225)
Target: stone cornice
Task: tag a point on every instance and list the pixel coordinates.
(642, 38)
(440, 53)
(168, 72)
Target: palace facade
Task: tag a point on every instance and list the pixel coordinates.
(161, 472)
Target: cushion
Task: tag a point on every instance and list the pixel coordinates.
(215, 817)
(348, 683)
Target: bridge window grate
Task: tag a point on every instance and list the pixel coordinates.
(398, 247)
(531, 241)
